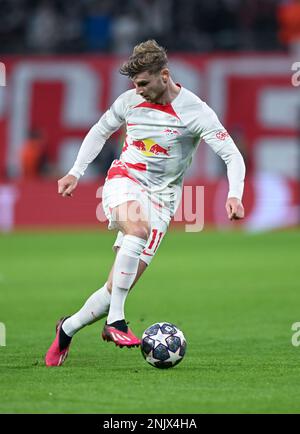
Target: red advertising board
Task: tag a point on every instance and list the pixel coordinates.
(270, 202)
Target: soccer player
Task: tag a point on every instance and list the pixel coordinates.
(164, 124)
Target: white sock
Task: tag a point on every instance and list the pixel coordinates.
(125, 270)
(96, 307)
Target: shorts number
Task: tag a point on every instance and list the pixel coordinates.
(154, 236)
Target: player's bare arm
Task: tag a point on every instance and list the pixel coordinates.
(67, 185)
(234, 208)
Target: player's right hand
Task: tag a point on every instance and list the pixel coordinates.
(234, 208)
(67, 185)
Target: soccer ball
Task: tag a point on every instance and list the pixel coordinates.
(163, 345)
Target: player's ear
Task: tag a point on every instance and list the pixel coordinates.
(165, 74)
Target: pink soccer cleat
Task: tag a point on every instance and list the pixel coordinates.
(55, 356)
(120, 338)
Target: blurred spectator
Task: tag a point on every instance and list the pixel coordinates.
(13, 22)
(190, 31)
(125, 30)
(289, 25)
(155, 17)
(44, 28)
(265, 25)
(102, 25)
(98, 25)
(72, 31)
(33, 155)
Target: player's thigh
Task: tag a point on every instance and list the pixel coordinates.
(130, 219)
(124, 206)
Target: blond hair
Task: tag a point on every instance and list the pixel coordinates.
(147, 56)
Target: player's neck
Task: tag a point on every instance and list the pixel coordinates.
(170, 93)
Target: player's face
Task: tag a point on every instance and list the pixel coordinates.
(151, 86)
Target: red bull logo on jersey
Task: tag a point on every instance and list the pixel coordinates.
(139, 144)
(149, 147)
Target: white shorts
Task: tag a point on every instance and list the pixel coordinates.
(120, 190)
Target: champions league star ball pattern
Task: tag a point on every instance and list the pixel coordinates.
(163, 345)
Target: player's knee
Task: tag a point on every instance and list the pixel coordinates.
(140, 231)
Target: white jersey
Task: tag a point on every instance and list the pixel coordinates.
(160, 142)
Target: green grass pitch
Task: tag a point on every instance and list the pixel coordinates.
(234, 295)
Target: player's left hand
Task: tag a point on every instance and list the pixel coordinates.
(234, 208)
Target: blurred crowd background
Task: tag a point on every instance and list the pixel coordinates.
(68, 26)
